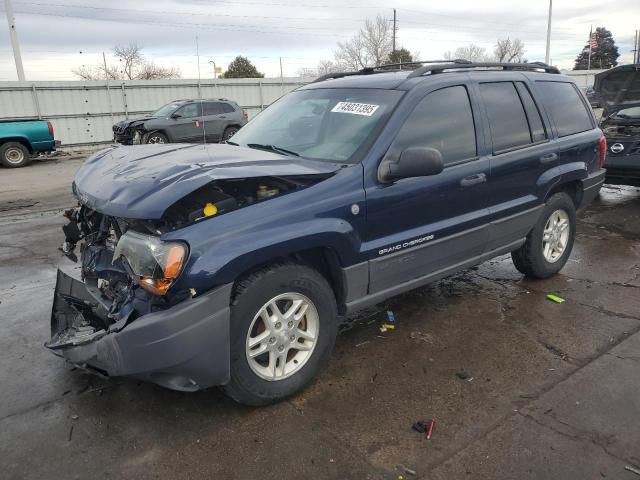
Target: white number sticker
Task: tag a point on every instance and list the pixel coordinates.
(365, 109)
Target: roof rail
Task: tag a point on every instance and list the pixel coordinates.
(432, 69)
(384, 69)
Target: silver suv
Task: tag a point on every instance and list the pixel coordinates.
(213, 120)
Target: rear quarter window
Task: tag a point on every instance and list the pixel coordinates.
(566, 107)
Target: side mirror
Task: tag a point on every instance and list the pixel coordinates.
(413, 162)
(175, 116)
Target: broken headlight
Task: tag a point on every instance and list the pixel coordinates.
(155, 263)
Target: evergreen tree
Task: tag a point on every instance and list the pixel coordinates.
(605, 55)
(400, 56)
(241, 67)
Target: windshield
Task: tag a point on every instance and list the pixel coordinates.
(633, 112)
(322, 124)
(166, 110)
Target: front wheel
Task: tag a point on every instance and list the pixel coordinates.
(283, 328)
(549, 243)
(156, 137)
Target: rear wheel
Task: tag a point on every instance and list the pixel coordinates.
(156, 137)
(549, 243)
(283, 328)
(229, 132)
(14, 155)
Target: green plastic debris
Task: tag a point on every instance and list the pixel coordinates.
(555, 298)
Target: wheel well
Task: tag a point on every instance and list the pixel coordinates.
(17, 140)
(573, 189)
(322, 259)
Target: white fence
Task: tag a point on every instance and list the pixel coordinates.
(82, 113)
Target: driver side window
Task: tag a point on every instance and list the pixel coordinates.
(442, 120)
(190, 110)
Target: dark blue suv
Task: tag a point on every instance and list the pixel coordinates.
(233, 264)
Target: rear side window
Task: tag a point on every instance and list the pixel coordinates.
(226, 108)
(564, 103)
(212, 108)
(442, 120)
(507, 118)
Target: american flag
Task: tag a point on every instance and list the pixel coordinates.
(593, 40)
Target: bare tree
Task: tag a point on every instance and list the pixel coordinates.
(324, 67)
(368, 48)
(131, 66)
(509, 51)
(472, 52)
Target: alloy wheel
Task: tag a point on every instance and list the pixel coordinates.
(555, 236)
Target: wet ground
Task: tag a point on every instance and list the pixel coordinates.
(519, 386)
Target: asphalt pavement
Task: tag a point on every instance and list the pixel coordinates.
(519, 386)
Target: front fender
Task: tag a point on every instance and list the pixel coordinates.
(232, 256)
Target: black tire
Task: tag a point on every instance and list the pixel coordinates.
(155, 137)
(14, 155)
(228, 133)
(529, 258)
(251, 293)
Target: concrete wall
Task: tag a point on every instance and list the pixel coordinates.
(82, 113)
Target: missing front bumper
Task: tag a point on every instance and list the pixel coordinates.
(185, 347)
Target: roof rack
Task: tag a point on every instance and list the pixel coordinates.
(383, 69)
(432, 69)
(439, 66)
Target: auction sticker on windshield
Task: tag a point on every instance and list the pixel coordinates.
(365, 109)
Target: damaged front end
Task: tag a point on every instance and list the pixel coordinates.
(113, 313)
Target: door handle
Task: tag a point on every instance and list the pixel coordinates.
(473, 180)
(223, 116)
(548, 158)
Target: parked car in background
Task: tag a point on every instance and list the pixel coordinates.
(619, 92)
(21, 139)
(234, 264)
(188, 121)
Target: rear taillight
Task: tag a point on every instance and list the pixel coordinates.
(244, 114)
(603, 150)
(50, 128)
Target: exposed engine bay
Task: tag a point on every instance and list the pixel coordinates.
(125, 266)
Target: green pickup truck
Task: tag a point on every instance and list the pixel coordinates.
(21, 139)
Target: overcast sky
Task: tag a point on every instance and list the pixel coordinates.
(59, 35)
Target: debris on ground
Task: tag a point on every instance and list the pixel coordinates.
(403, 469)
(74, 417)
(462, 375)
(632, 470)
(70, 433)
(424, 427)
(363, 343)
(431, 424)
(390, 316)
(389, 326)
(555, 298)
(420, 426)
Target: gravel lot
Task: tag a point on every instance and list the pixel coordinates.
(551, 390)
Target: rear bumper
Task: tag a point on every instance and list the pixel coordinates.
(591, 187)
(185, 347)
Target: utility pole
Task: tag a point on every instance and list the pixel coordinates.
(394, 30)
(546, 57)
(8, 8)
(281, 78)
(636, 49)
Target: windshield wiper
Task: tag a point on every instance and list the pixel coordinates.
(229, 142)
(272, 148)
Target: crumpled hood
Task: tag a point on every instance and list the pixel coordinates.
(142, 181)
(618, 88)
(130, 121)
